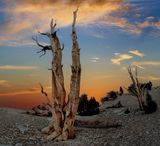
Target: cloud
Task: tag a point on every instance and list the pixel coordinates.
(147, 63)
(95, 59)
(27, 91)
(11, 67)
(24, 18)
(4, 83)
(134, 27)
(116, 54)
(20, 92)
(99, 36)
(121, 57)
(104, 77)
(121, 23)
(136, 52)
(39, 12)
(152, 78)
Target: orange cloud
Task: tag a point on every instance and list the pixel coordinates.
(147, 63)
(152, 78)
(4, 83)
(11, 67)
(27, 91)
(27, 16)
(121, 57)
(136, 52)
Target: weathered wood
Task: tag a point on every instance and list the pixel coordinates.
(73, 97)
(63, 113)
(138, 92)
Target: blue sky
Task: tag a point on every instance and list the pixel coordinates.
(112, 35)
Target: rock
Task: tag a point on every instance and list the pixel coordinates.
(31, 112)
(127, 111)
(18, 144)
(21, 128)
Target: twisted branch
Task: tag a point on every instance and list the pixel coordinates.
(44, 48)
(45, 93)
(46, 34)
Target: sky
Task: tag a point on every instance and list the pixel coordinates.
(112, 35)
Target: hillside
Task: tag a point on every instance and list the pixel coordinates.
(18, 128)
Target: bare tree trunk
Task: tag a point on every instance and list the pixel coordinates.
(63, 114)
(73, 97)
(137, 91)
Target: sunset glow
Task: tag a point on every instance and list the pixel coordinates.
(112, 35)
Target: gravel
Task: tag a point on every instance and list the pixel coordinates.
(138, 129)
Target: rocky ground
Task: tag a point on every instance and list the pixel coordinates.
(19, 129)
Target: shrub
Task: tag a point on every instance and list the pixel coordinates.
(88, 107)
(112, 95)
(120, 91)
(143, 87)
(151, 106)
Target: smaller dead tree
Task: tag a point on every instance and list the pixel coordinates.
(141, 91)
(137, 90)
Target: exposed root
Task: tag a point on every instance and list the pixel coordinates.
(53, 135)
(47, 130)
(60, 138)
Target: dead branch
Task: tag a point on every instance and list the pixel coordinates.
(52, 26)
(44, 48)
(45, 93)
(137, 91)
(74, 17)
(46, 34)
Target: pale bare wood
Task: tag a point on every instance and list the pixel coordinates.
(73, 97)
(46, 95)
(63, 114)
(139, 92)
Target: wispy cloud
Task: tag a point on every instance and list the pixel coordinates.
(152, 78)
(134, 27)
(146, 63)
(11, 67)
(4, 83)
(103, 77)
(32, 90)
(137, 52)
(20, 92)
(95, 59)
(120, 57)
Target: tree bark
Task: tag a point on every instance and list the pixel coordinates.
(138, 92)
(73, 97)
(63, 113)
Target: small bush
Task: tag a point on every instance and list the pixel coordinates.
(143, 87)
(151, 106)
(120, 91)
(112, 95)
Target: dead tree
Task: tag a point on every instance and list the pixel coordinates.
(63, 113)
(137, 90)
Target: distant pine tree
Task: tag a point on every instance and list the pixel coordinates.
(88, 107)
(121, 91)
